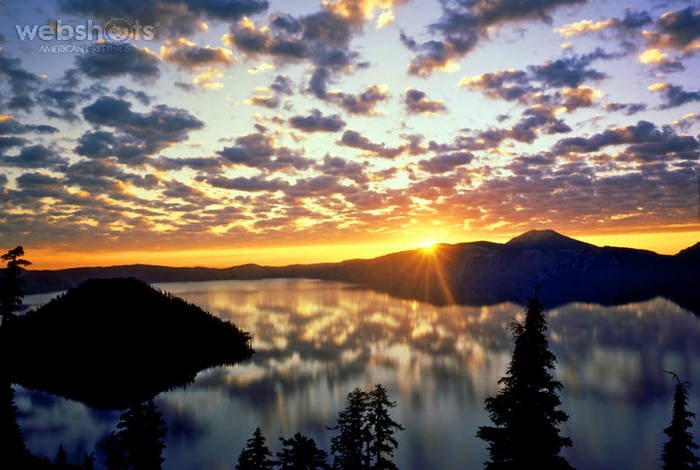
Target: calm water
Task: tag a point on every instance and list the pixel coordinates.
(317, 340)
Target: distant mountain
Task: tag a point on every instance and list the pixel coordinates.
(470, 273)
(111, 343)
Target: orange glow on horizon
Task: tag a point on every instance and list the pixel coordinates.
(668, 243)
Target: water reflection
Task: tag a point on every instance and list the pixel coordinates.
(316, 341)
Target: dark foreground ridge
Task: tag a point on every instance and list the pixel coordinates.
(111, 343)
(468, 273)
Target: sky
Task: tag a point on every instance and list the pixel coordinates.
(222, 132)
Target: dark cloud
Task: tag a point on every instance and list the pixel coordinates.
(354, 139)
(445, 162)
(162, 125)
(22, 82)
(465, 22)
(60, 103)
(139, 64)
(282, 85)
(10, 125)
(189, 56)
(258, 150)
(9, 142)
(35, 156)
(175, 17)
(363, 104)
(417, 102)
(205, 164)
(317, 122)
(678, 30)
(339, 167)
(508, 85)
(270, 102)
(184, 86)
(645, 142)
(628, 108)
(140, 96)
(675, 95)
(569, 71)
(252, 184)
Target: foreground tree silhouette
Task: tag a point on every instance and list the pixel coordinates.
(13, 450)
(300, 453)
(525, 411)
(366, 439)
(678, 451)
(382, 428)
(350, 448)
(138, 443)
(255, 455)
(11, 283)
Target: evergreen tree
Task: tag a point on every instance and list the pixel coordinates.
(526, 411)
(382, 428)
(61, 460)
(255, 455)
(89, 461)
(678, 452)
(14, 450)
(138, 443)
(10, 282)
(300, 453)
(350, 448)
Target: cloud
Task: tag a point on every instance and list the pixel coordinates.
(339, 167)
(257, 150)
(162, 124)
(139, 64)
(417, 102)
(10, 125)
(569, 71)
(464, 23)
(140, 96)
(175, 18)
(633, 20)
(316, 122)
(509, 85)
(628, 108)
(35, 156)
(354, 139)
(252, 184)
(446, 162)
(679, 30)
(22, 83)
(674, 95)
(188, 55)
(645, 142)
(9, 142)
(363, 104)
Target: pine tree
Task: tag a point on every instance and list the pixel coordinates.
(14, 450)
(678, 452)
(138, 443)
(300, 453)
(350, 447)
(382, 429)
(10, 282)
(61, 460)
(255, 455)
(89, 461)
(526, 411)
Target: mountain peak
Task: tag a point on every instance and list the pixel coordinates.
(546, 238)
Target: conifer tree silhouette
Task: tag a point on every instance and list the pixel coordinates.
(138, 443)
(678, 452)
(14, 449)
(382, 428)
(255, 455)
(61, 460)
(525, 412)
(350, 449)
(10, 282)
(300, 453)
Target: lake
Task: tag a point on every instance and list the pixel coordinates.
(317, 340)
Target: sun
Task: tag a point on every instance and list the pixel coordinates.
(428, 245)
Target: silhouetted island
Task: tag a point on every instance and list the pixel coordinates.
(111, 343)
(474, 273)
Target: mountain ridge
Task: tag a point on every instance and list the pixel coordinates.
(472, 272)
